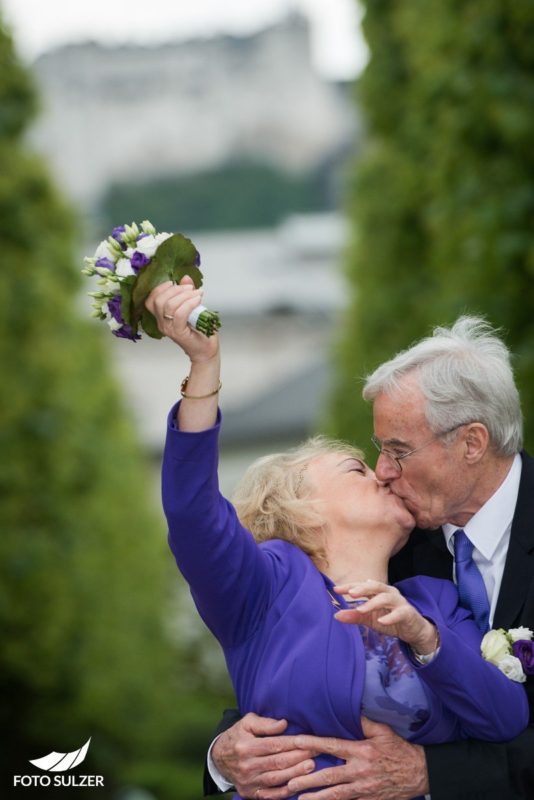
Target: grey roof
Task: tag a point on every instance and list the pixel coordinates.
(291, 409)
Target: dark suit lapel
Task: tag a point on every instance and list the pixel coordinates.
(519, 568)
(425, 553)
(431, 557)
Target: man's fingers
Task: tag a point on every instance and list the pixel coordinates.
(342, 748)
(324, 777)
(271, 745)
(297, 761)
(331, 776)
(280, 777)
(372, 729)
(263, 726)
(263, 745)
(272, 793)
(267, 778)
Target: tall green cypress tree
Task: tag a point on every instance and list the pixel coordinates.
(84, 568)
(442, 199)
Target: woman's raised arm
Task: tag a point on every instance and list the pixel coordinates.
(172, 304)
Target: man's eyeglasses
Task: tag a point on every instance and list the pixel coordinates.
(396, 458)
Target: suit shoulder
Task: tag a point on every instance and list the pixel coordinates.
(528, 466)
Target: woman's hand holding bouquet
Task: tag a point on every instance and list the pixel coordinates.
(172, 305)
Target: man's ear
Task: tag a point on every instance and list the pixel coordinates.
(476, 440)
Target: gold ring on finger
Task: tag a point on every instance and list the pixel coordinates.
(167, 316)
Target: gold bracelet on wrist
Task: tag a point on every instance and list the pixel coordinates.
(183, 387)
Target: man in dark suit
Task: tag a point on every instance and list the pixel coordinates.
(448, 427)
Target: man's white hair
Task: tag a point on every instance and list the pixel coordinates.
(465, 374)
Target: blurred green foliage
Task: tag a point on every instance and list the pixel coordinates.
(240, 195)
(86, 581)
(443, 195)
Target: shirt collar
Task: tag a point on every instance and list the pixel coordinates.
(487, 527)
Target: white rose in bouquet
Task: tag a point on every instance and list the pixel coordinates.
(124, 268)
(149, 244)
(105, 250)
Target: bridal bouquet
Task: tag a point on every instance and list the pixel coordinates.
(130, 263)
(511, 651)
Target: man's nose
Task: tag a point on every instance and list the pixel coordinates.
(385, 470)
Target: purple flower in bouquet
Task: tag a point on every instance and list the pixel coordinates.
(524, 651)
(138, 261)
(124, 331)
(106, 263)
(117, 234)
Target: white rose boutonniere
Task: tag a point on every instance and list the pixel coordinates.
(512, 668)
(516, 634)
(511, 651)
(495, 646)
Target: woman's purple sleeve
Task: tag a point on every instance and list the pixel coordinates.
(490, 705)
(230, 576)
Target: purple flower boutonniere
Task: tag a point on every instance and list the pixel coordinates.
(131, 262)
(511, 651)
(523, 649)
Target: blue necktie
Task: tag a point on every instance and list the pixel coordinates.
(470, 582)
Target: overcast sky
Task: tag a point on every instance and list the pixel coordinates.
(38, 25)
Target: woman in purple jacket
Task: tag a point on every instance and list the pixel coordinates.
(326, 530)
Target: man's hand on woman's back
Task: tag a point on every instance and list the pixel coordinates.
(258, 760)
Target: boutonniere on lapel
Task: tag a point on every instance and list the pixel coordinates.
(511, 651)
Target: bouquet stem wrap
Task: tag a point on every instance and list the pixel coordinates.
(204, 320)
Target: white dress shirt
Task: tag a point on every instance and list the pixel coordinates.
(216, 776)
(489, 531)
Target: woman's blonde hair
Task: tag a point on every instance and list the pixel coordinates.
(271, 502)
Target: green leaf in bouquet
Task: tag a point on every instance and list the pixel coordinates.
(150, 325)
(174, 258)
(126, 300)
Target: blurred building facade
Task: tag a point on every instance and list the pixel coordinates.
(135, 112)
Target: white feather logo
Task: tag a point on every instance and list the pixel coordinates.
(60, 762)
